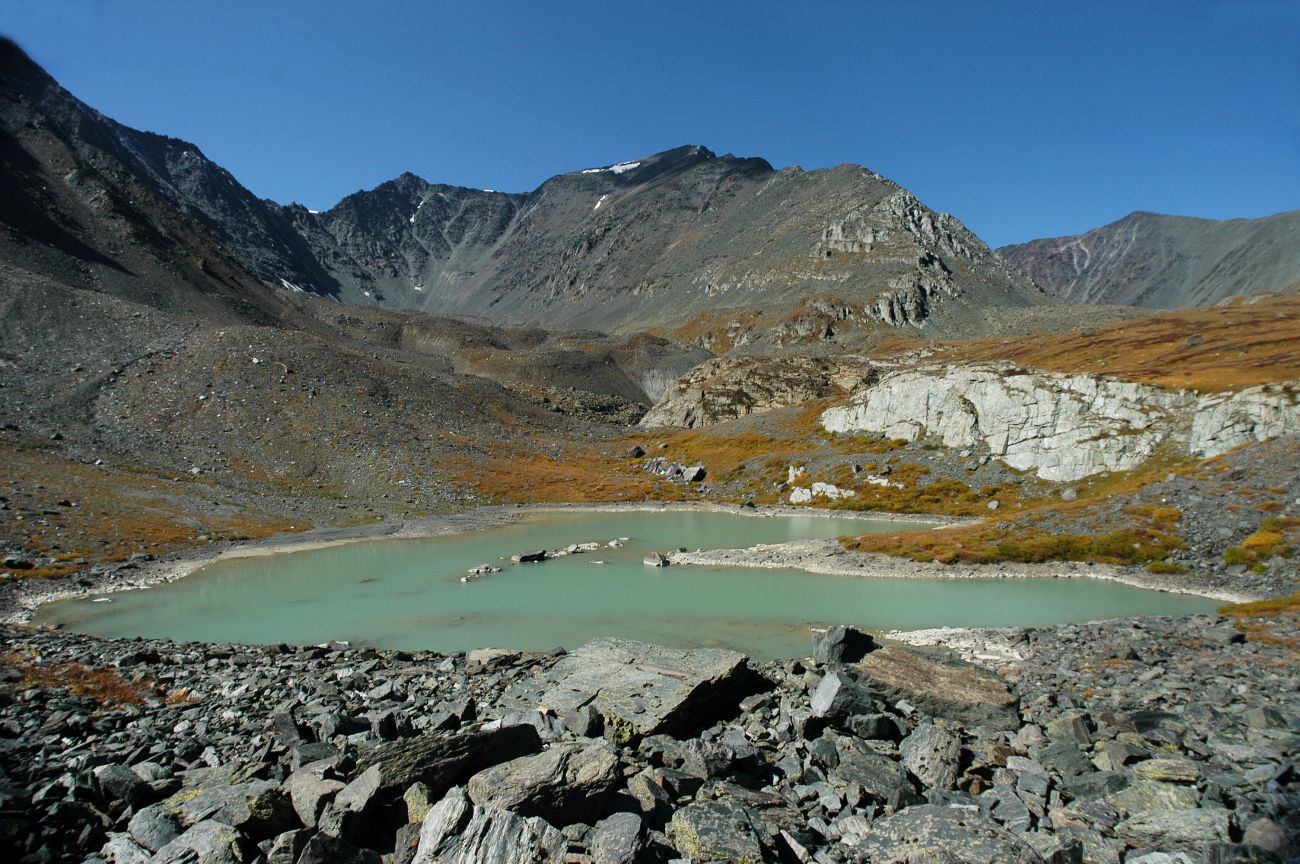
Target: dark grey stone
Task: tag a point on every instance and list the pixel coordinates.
(153, 827)
(566, 783)
(620, 839)
(840, 644)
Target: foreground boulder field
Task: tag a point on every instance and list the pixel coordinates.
(1153, 740)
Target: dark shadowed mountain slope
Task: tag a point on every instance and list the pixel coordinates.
(93, 204)
(1147, 259)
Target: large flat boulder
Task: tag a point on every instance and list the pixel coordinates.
(939, 687)
(641, 689)
(566, 783)
(952, 835)
(441, 760)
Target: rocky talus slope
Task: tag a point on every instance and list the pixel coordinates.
(723, 389)
(1062, 427)
(1097, 743)
(1148, 259)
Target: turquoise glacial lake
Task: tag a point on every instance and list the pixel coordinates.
(408, 593)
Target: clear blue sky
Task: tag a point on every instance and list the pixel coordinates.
(1023, 119)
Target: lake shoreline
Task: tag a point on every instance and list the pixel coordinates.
(20, 599)
(830, 558)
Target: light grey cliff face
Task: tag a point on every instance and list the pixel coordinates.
(1062, 427)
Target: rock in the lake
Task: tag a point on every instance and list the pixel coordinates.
(642, 689)
(529, 557)
(715, 831)
(457, 832)
(957, 691)
(566, 783)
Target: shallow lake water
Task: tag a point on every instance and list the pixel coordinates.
(408, 594)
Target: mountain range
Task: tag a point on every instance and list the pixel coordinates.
(652, 241)
(1148, 259)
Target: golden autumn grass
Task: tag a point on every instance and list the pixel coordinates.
(116, 512)
(1210, 349)
(1146, 541)
(105, 686)
(1275, 621)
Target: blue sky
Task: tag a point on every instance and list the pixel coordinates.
(1023, 119)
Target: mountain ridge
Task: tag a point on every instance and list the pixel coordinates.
(1163, 261)
(650, 241)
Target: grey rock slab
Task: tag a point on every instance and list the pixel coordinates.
(839, 697)
(1147, 795)
(209, 842)
(1005, 806)
(324, 848)
(642, 689)
(1168, 770)
(933, 833)
(285, 848)
(121, 849)
(457, 832)
(153, 827)
(880, 777)
(354, 807)
(119, 783)
(620, 839)
(1175, 830)
(259, 809)
(873, 726)
(933, 754)
(563, 784)
(715, 831)
(953, 690)
(1265, 834)
(444, 759)
(310, 792)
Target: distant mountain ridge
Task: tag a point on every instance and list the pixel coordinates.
(1149, 259)
(647, 242)
(655, 240)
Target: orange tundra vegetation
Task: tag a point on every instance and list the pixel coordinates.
(1252, 341)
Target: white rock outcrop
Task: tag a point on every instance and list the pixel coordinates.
(1062, 427)
(829, 491)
